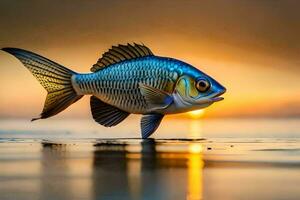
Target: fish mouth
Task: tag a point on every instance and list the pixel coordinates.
(218, 97)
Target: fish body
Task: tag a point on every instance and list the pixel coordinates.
(126, 79)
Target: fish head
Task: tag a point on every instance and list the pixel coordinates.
(197, 90)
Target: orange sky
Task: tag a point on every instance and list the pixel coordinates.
(251, 47)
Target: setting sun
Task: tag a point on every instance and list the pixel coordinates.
(196, 113)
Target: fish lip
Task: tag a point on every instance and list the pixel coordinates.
(218, 97)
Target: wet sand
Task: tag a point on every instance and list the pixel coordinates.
(149, 169)
(188, 159)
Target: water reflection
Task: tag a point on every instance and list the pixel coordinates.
(195, 172)
(110, 180)
(149, 169)
(54, 168)
(116, 172)
(120, 173)
(65, 173)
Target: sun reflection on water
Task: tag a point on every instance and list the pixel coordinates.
(98, 170)
(195, 172)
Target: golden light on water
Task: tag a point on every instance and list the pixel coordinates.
(196, 114)
(195, 172)
(195, 148)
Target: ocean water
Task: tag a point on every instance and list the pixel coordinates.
(169, 128)
(184, 159)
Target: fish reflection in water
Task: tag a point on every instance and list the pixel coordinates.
(149, 169)
(118, 173)
(54, 165)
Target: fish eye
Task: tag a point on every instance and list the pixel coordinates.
(202, 85)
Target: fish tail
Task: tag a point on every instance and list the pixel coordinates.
(55, 78)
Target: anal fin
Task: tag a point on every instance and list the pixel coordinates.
(149, 124)
(106, 114)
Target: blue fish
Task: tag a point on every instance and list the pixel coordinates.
(126, 79)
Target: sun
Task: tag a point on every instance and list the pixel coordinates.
(196, 114)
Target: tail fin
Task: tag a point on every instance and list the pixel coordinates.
(55, 78)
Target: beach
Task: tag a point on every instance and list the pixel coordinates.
(62, 162)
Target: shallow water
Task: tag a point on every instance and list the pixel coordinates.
(211, 159)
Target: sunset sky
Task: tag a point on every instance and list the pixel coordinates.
(251, 47)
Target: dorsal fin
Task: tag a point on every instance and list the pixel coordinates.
(120, 53)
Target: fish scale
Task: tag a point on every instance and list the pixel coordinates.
(118, 85)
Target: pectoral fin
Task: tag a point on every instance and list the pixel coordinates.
(105, 114)
(155, 98)
(149, 123)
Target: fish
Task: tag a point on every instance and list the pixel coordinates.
(127, 79)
